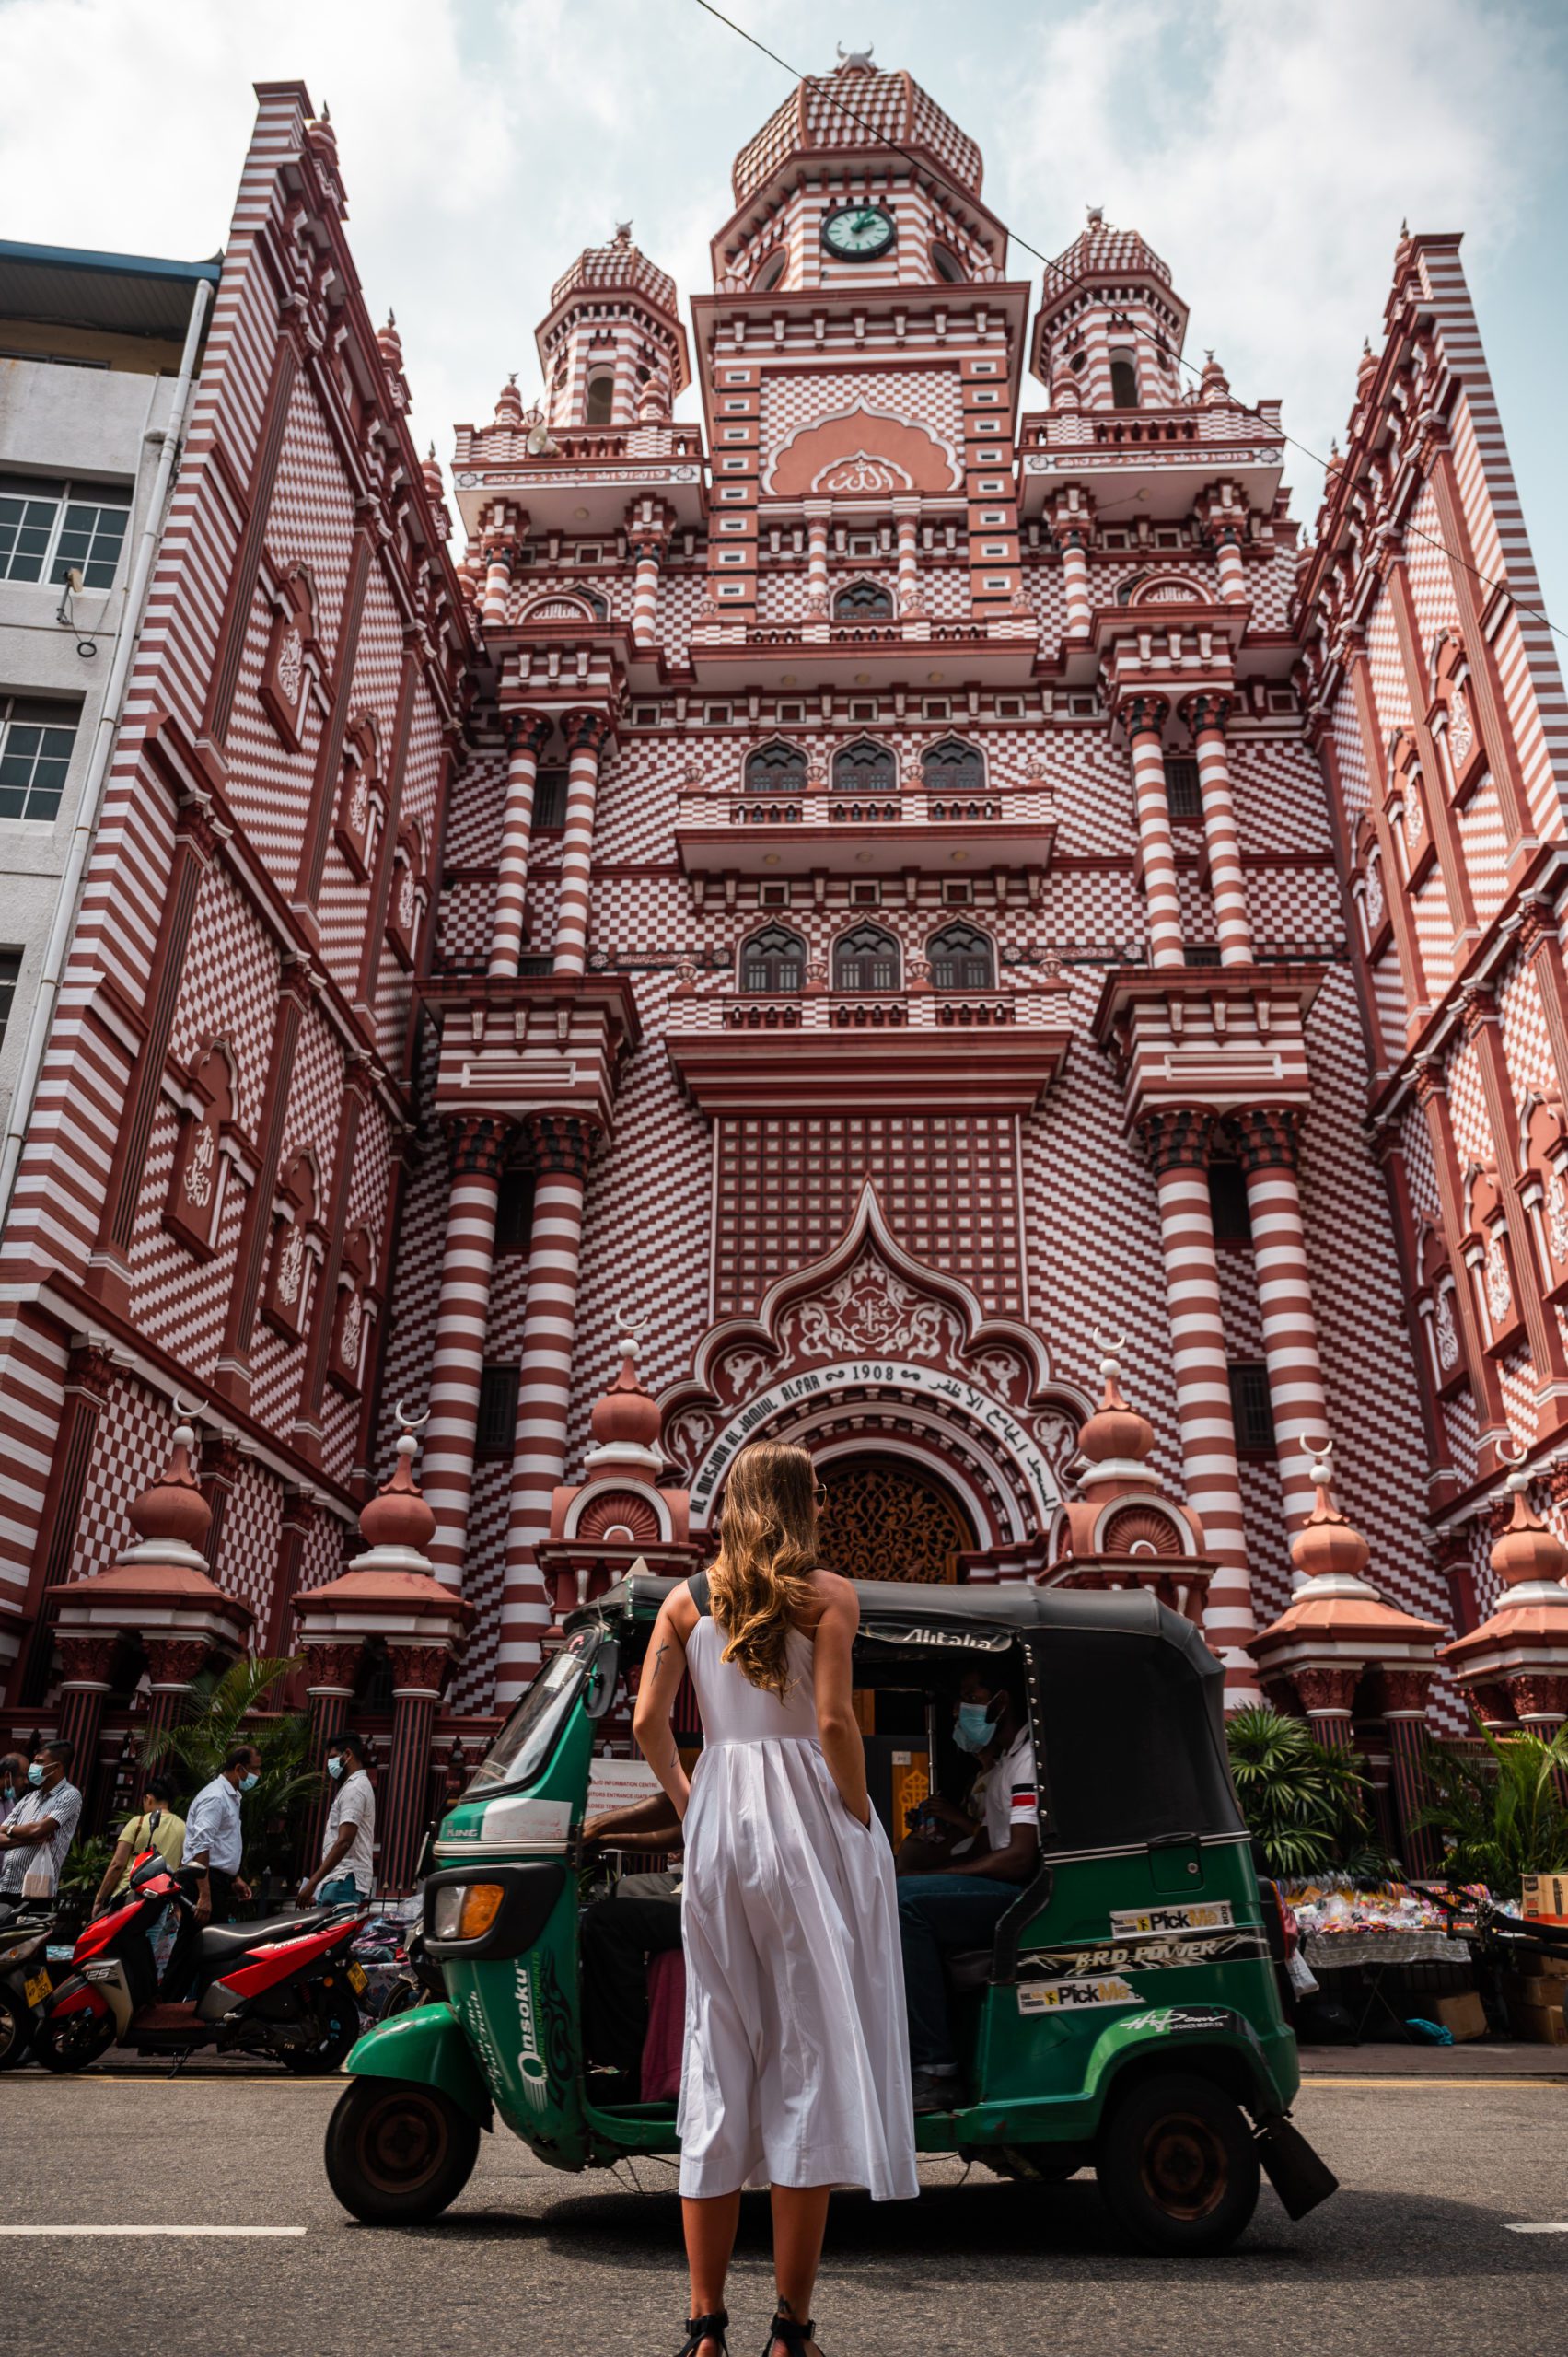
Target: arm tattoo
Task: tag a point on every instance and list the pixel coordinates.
(658, 1657)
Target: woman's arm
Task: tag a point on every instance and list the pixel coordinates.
(662, 1673)
(112, 1874)
(843, 1746)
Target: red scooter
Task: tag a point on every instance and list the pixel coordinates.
(288, 1987)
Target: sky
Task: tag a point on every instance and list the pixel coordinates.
(1268, 151)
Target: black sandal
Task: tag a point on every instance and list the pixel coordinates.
(708, 2327)
(794, 2335)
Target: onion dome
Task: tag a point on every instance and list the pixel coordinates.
(1326, 1547)
(1116, 1433)
(509, 403)
(626, 1413)
(397, 1516)
(1526, 1549)
(858, 109)
(174, 1508)
(1214, 385)
(389, 344)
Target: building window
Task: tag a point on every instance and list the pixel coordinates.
(775, 768)
(599, 400)
(498, 1421)
(863, 601)
(1202, 953)
(514, 1212)
(774, 962)
(10, 974)
(1228, 1207)
(962, 958)
(48, 526)
(865, 959)
(1182, 791)
(36, 738)
(865, 767)
(1250, 1411)
(952, 768)
(948, 266)
(1123, 380)
(548, 800)
(768, 277)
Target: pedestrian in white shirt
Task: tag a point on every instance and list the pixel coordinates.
(348, 1841)
(209, 1868)
(39, 1828)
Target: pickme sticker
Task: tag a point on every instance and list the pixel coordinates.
(1077, 1996)
(1208, 1915)
(1155, 1951)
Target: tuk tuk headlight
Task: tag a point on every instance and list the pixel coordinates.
(465, 1911)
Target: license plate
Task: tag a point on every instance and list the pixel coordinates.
(356, 1979)
(36, 1990)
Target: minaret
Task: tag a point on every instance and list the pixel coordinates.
(612, 345)
(1109, 320)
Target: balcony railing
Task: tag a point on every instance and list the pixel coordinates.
(1030, 802)
(1041, 1009)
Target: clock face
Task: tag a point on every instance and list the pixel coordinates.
(858, 232)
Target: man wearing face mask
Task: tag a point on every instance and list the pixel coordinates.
(214, 1844)
(348, 1841)
(960, 1908)
(37, 1830)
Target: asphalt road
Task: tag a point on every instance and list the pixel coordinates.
(1415, 2253)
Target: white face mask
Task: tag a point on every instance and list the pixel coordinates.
(335, 1764)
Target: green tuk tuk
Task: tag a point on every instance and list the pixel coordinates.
(1126, 2016)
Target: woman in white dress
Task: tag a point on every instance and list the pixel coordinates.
(796, 2062)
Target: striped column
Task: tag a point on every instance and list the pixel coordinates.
(1326, 1696)
(1267, 1144)
(818, 516)
(1227, 555)
(1404, 1712)
(330, 1673)
(1205, 716)
(1177, 1143)
(1145, 718)
(83, 1690)
(417, 1672)
(648, 548)
(562, 1145)
(476, 1145)
(498, 586)
(1075, 580)
(907, 516)
(529, 735)
(586, 734)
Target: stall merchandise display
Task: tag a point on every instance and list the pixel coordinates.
(1391, 1924)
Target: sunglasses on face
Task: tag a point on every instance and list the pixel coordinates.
(819, 1496)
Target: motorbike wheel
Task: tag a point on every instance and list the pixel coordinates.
(1177, 2167)
(70, 2041)
(337, 2021)
(16, 2032)
(398, 2154)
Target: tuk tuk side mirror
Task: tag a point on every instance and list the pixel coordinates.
(602, 1677)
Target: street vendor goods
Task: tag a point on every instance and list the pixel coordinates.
(1126, 2015)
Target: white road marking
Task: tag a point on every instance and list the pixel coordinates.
(1562, 2229)
(152, 2230)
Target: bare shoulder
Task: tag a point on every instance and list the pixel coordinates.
(832, 1598)
(680, 1611)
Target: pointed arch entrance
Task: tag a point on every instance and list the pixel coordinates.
(890, 1517)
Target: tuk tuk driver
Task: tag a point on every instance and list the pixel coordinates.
(960, 1907)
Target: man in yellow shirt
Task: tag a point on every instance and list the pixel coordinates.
(157, 1827)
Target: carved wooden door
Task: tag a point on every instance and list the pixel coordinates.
(887, 1519)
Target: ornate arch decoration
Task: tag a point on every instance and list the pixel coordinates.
(1162, 588)
(361, 797)
(558, 606)
(1543, 1163)
(864, 766)
(206, 1146)
(863, 600)
(772, 961)
(963, 956)
(775, 767)
(1404, 802)
(1488, 1249)
(293, 662)
(953, 766)
(1438, 1308)
(354, 1313)
(618, 1513)
(859, 451)
(1146, 1526)
(1451, 718)
(410, 897)
(1369, 885)
(866, 957)
(297, 1245)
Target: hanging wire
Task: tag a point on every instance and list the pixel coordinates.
(1068, 279)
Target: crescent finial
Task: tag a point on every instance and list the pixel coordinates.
(411, 1424)
(1109, 1346)
(1510, 1451)
(184, 1415)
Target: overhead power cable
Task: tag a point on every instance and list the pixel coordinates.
(1069, 279)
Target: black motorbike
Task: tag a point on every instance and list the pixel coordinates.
(26, 1981)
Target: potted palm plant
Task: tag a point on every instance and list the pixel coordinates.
(225, 1707)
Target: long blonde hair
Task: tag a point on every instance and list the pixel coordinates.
(761, 1576)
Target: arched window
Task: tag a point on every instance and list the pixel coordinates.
(962, 958)
(775, 768)
(1123, 380)
(866, 958)
(768, 277)
(952, 767)
(773, 960)
(599, 402)
(865, 767)
(947, 265)
(863, 601)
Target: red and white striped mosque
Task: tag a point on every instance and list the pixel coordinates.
(832, 921)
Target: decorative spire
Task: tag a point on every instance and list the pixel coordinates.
(435, 489)
(389, 344)
(173, 1511)
(509, 403)
(855, 60)
(1366, 367)
(1116, 1433)
(1214, 385)
(398, 1517)
(1527, 1549)
(626, 1421)
(322, 136)
(1326, 1547)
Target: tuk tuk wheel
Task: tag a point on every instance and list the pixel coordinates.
(1178, 2167)
(397, 2153)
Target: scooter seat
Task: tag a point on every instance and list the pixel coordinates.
(219, 1942)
